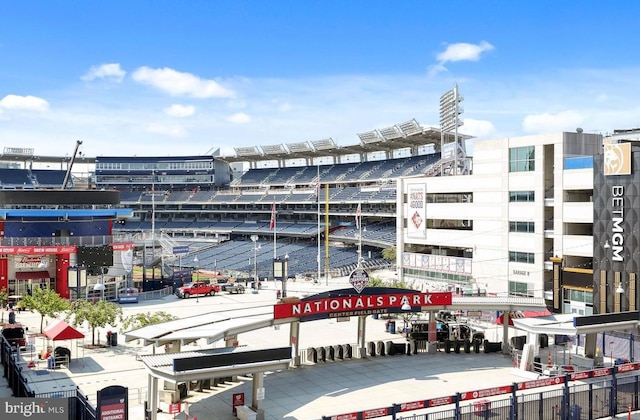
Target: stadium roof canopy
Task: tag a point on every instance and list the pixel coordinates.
(399, 136)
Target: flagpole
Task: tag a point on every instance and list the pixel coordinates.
(275, 228)
(359, 226)
(318, 200)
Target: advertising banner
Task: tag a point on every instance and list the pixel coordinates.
(416, 211)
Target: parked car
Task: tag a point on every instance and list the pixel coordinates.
(234, 288)
(14, 334)
(198, 288)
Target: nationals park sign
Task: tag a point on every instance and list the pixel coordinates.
(347, 304)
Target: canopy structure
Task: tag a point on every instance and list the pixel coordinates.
(521, 315)
(32, 275)
(59, 330)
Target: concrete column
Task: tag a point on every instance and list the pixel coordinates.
(506, 317)
(258, 384)
(294, 342)
(153, 402)
(362, 345)
(149, 389)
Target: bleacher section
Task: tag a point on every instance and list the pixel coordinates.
(342, 172)
(235, 258)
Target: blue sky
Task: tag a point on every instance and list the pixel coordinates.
(182, 77)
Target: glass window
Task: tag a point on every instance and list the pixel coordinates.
(524, 227)
(522, 159)
(522, 257)
(522, 196)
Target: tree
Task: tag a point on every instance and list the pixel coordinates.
(143, 319)
(133, 322)
(96, 315)
(4, 297)
(390, 253)
(47, 302)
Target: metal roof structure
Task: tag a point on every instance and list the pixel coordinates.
(216, 326)
(162, 366)
(563, 324)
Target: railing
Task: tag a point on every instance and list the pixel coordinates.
(604, 395)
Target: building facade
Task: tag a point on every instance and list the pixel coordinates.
(520, 221)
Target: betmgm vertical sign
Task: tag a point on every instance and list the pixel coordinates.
(617, 161)
(416, 212)
(616, 216)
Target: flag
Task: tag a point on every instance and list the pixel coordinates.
(358, 214)
(272, 224)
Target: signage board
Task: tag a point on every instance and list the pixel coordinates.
(238, 400)
(359, 279)
(180, 249)
(345, 306)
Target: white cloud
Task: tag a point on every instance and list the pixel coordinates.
(111, 71)
(177, 83)
(461, 51)
(25, 103)
(477, 128)
(176, 131)
(284, 107)
(546, 122)
(239, 118)
(180, 111)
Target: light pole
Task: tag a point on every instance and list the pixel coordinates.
(195, 267)
(254, 238)
(407, 315)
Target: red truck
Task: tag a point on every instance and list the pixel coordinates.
(197, 288)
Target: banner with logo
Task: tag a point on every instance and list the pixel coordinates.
(416, 211)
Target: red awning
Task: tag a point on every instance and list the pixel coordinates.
(32, 275)
(522, 314)
(60, 330)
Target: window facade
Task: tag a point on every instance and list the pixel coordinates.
(522, 257)
(522, 159)
(523, 227)
(520, 289)
(522, 196)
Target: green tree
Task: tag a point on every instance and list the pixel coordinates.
(390, 253)
(46, 302)
(378, 282)
(4, 297)
(96, 315)
(133, 322)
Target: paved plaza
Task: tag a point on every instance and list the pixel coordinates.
(308, 392)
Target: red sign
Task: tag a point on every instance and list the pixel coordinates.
(14, 250)
(350, 416)
(124, 246)
(483, 393)
(414, 405)
(175, 408)
(355, 305)
(627, 367)
(541, 382)
(378, 412)
(435, 402)
(238, 400)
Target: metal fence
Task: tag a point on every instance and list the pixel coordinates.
(605, 392)
(79, 406)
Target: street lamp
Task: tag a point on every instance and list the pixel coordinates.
(254, 238)
(407, 315)
(280, 271)
(195, 267)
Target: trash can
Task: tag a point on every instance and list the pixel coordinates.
(575, 412)
(537, 364)
(392, 327)
(113, 339)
